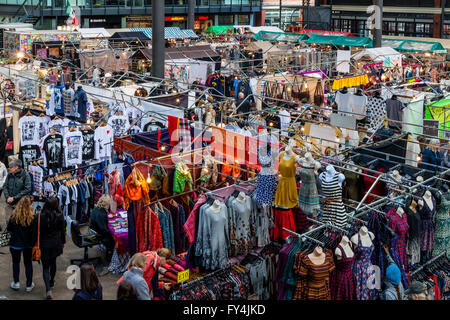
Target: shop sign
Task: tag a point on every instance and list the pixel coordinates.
(203, 18)
(175, 18)
(183, 276)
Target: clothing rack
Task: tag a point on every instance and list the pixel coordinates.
(210, 192)
(304, 236)
(170, 197)
(70, 170)
(187, 284)
(327, 224)
(444, 253)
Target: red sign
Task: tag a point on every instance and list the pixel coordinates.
(203, 18)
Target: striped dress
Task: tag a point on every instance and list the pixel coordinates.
(308, 197)
(333, 208)
(313, 280)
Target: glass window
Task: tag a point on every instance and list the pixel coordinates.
(226, 20)
(243, 19)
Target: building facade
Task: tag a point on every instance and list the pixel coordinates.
(137, 13)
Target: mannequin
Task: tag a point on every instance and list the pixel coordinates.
(317, 256)
(241, 197)
(428, 200)
(308, 196)
(400, 211)
(216, 205)
(266, 180)
(346, 247)
(396, 175)
(364, 235)
(68, 97)
(81, 98)
(309, 162)
(331, 186)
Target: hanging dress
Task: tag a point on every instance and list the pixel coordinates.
(308, 197)
(342, 280)
(334, 209)
(352, 189)
(313, 280)
(286, 194)
(376, 111)
(427, 227)
(362, 272)
(413, 242)
(267, 183)
(400, 226)
(442, 229)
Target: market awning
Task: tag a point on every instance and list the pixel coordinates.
(414, 45)
(377, 54)
(280, 36)
(255, 30)
(192, 52)
(129, 36)
(219, 29)
(190, 33)
(87, 33)
(340, 41)
(169, 33)
(310, 32)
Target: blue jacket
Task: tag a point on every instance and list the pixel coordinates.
(430, 157)
(135, 278)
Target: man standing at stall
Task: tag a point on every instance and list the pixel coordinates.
(17, 185)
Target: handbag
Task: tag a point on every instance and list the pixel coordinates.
(5, 237)
(36, 251)
(295, 89)
(9, 145)
(304, 92)
(318, 94)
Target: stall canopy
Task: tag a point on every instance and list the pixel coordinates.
(414, 45)
(388, 56)
(192, 52)
(255, 30)
(88, 33)
(340, 41)
(310, 32)
(280, 36)
(169, 33)
(219, 29)
(129, 36)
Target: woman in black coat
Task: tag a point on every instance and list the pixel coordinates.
(52, 240)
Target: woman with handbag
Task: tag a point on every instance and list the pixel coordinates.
(22, 228)
(52, 237)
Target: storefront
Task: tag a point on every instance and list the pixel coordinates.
(138, 21)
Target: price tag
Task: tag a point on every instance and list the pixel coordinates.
(183, 276)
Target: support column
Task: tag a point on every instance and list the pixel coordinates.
(86, 23)
(236, 20)
(378, 24)
(123, 22)
(158, 13)
(252, 19)
(191, 14)
(216, 20)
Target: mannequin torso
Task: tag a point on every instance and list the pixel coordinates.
(345, 245)
(317, 257)
(365, 235)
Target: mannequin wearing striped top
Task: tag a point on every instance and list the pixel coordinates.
(331, 185)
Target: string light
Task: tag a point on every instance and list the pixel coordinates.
(419, 158)
(149, 180)
(163, 148)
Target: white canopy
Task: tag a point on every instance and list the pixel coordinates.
(378, 54)
(94, 33)
(255, 30)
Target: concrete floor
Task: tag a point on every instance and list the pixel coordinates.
(60, 292)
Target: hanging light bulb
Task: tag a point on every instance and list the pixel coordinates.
(419, 158)
(306, 85)
(163, 148)
(149, 180)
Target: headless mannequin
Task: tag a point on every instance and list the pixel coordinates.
(241, 197)
(317, 257)
(289, 152)
(396, 176)
(216, 205)
(400, 211)
(345, 244)
(330, 173)
(428, 200)
(365, 235)
(309, 162)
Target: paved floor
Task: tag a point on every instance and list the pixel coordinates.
(60, 292)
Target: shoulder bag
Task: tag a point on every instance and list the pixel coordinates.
(36, 251)
(318, 94)
(5, 237)
(304, 92)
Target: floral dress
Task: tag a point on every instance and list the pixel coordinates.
(362, 271)
(267, 183)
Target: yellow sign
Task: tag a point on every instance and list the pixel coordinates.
(183, 276)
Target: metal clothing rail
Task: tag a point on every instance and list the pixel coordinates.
(70, 170)
(185, 285)
(304, 236)
(442, 254)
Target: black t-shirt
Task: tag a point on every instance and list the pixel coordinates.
(153, 126)
(53, 149)
(29, 153)
(88, 144)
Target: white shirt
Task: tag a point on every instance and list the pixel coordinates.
(342, 100)
(29, 130)
(59, 125)
(96, 74)
(50, 101)
(43, 126)
(103, 140)
(358, 105)
(135, 130)
(285, 119)
(73, 148)
(134, 113)
(120, 124)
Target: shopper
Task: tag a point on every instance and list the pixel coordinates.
(134, 276)
(91, 289)
(52, 240)
(21, 225)
(3, 174)
(126, 291)
(99, 223)
(17, 185)
(416, 291)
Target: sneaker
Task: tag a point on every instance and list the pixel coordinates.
(28, 289)
(15, 285)
(49, 295)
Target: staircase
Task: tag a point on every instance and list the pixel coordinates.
(24, 16)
